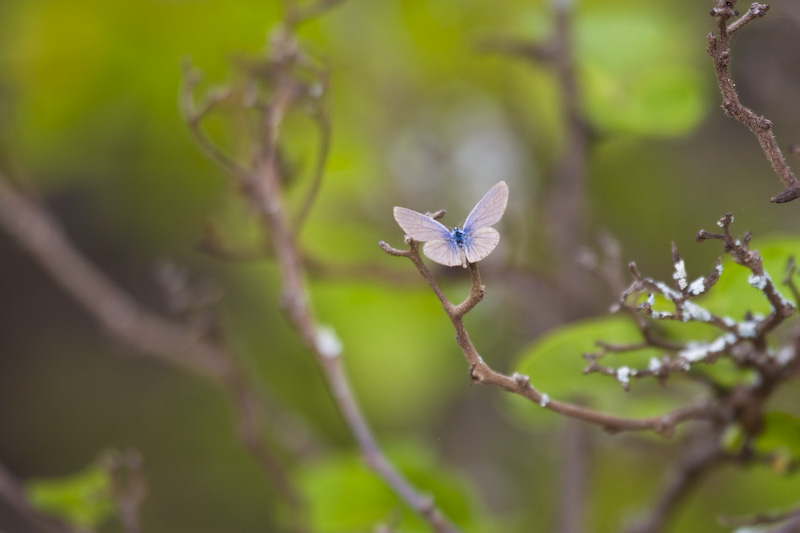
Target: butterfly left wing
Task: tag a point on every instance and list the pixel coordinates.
(489, 210)
(418, 226)
(481, 243)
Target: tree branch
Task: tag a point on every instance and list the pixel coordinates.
(262, 188)
(719, 48)
(482, 373)
(36, 232)
(700, 454)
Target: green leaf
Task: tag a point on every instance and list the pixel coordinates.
(344, 495)
(82, 499)
(733, 295)
(733, 439)
(633, 82)
(781, 437)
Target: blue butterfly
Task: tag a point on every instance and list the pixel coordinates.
(458, 246)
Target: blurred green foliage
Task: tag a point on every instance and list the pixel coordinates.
(345, 496)
(83, 499)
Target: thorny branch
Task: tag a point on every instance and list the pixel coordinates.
(745, 340)
(482, 373)
(719, 48)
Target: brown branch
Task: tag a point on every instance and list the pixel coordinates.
(719, 48)
(265, 195)
(296, 15)
(324, 126)
(564, 204)
(701, 454)
(194, 114)
(263, 190)
(482, 373)
(575, 465)
(790, 521)
(127, 485)
(121, 315)
(40, 235)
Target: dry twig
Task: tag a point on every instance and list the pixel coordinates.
(261, 185)
(719, 48)
(482, 373)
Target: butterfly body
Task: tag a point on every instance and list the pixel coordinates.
(458, 246)
(458, 235)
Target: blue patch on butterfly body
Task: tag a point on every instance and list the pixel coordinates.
(459, 236)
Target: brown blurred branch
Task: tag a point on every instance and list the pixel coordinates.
(262, 188)
(575, 465)
(790, 521)
(564, 204)
(719, 48)
(128, 487)
(35, 231)
(701, 453)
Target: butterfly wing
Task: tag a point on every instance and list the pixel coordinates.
(418, 226)
(489, 210)
(481, 243)
(443, 251)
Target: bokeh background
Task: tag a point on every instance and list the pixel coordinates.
(421, 117)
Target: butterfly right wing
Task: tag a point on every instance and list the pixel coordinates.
(481, 243)
(489, 210)
(419, 227)
(444, 251)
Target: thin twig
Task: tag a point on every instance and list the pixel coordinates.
(194, 114)
(791, 518)
(319, 170)
(127, 485)
(719, 48)
(482, 373)
(564, 204)
(263, 190)
(574, 467)
(265, 196)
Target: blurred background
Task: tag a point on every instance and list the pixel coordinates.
(427, 114)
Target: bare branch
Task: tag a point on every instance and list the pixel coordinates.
(482, 373)
(719, 48)
(790, 519)
(263, 191)
(194, 115)
(128, 486)
(116, 311)
(319, 170)
(701, 453)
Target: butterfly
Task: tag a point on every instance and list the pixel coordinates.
(458, 246)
